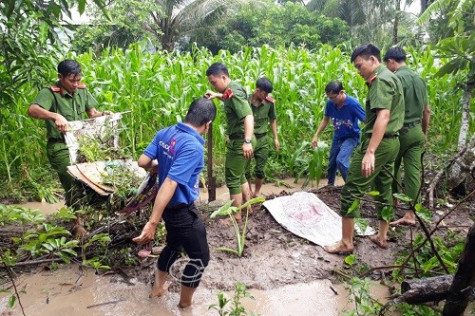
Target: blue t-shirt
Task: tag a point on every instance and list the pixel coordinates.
(345, 120)
(179, 151)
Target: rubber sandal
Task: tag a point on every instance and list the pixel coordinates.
(145, 251)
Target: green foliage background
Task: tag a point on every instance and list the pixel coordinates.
(158, 88)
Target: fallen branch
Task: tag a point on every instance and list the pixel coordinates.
(106, 303)
(12, 280)
(423, 226)
(425, 290)
(464, 279)
(411, 254)
(31, 262)
(456, 159)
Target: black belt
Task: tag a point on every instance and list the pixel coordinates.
(385, 135)
(178, 206)
(233, 137)
(260, 135)
(412, 124)
(55, 140)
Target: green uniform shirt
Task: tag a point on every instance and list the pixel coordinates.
(263, 113)
(385, 92)
(415, 94)
(72, 107)
(236, 108)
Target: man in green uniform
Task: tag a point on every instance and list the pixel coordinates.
(240, 129)
(372, 162)
(67, 100)
(412, 136)
(263, 108)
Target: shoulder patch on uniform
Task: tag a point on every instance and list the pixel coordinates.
(55, 89)
(228, 94)
(269, 99)
(81, 86)
(371, 79)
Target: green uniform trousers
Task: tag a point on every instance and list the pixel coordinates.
(412, 142)
(58, 156)
(380, 180)
(235, 165)
(261, 153)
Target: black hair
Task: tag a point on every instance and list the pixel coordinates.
(200, 112)
(217, 69)
(396, 53)
(334, 87)
(264, 84)
(69, 66)
(365, 51)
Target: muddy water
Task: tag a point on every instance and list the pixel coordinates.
(222, 194)
(73, 293)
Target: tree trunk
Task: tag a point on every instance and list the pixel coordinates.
(425, 290)
(458, 171)
(464, 280)
(396, 22)
(466, 100)
(424, 5)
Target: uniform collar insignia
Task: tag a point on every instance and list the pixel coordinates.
(228, 94)
(269, 99)
(371, 79)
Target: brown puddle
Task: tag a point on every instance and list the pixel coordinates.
(68, 292)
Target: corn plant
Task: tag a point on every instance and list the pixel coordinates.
(237, 309)
(229, 210)
(158, 88)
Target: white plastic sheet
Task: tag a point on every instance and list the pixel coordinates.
(306, 216)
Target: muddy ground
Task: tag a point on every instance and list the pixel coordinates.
(274, 257)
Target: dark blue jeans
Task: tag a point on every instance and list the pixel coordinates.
(185, 231)
(340, 154)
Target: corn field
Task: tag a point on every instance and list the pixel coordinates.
(157, 88)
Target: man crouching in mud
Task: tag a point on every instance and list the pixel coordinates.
(180, 154)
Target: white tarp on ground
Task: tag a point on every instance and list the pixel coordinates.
(306, 216)
(103, 129)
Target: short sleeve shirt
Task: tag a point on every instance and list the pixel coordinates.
(71, 106)
(415, 94)
(236, 108)
(263, 113)
(385, 92)
(179, 151)
(345, 119)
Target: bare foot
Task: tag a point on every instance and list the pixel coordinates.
(184, 305)
(379, 242)
(340, 248)
(158, 291)
(404, 221)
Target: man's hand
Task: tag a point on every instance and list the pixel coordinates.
(211, 95)
(247, 150)
(276, 144)
(367, 164)
(315, 141)
(107, 113)
(148, 234)
(61, 123)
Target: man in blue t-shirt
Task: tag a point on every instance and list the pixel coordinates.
(345, 112)
(180, 155)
